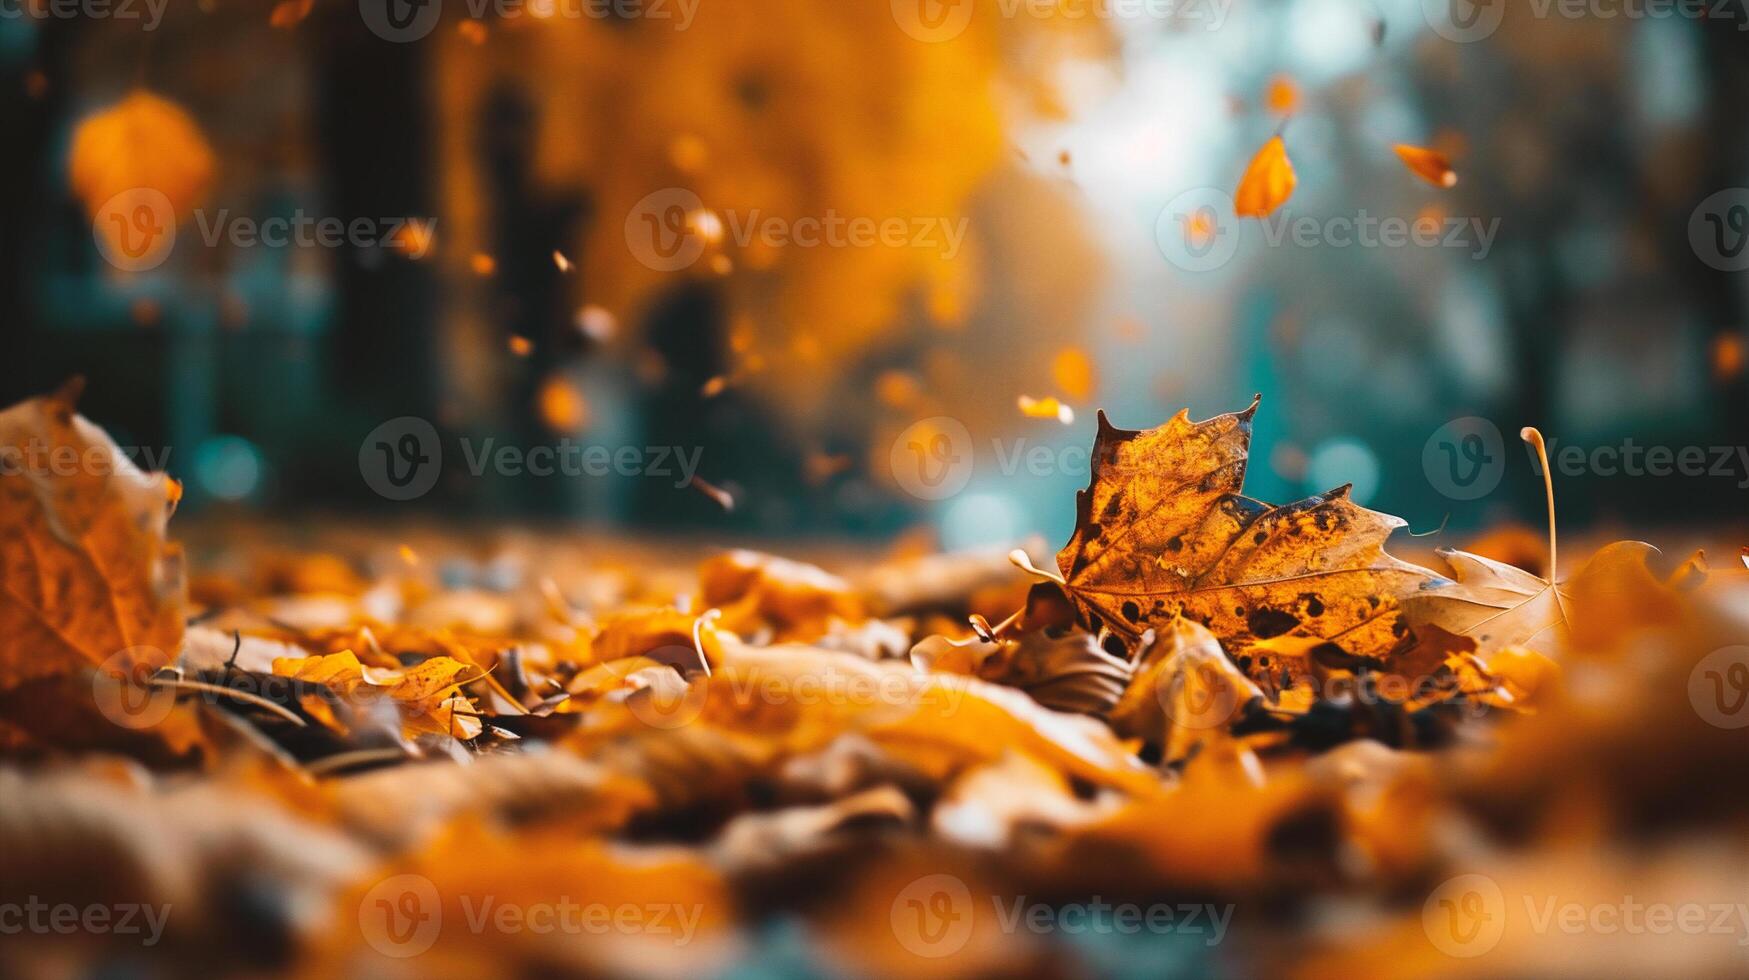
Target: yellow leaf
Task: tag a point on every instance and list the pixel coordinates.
(1268, 182)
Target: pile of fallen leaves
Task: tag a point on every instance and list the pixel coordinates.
(529, 753)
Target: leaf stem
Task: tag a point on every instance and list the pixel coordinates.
(1023, 561)
(1530, 434)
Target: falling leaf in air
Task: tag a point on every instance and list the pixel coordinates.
(1268, 182)
(1282, 97)
(482, 264)
(413, 238)
(1046, 408)
(472, 31)
(597, 323)
(1430, 165)
(520, 346)
(560, 262)
(289, 13)
(1163, 530)
(144, 143)
(561, 406)
(1727, 356)
(1073, 372)
(723, 498)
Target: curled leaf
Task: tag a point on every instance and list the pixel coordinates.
(1268, 182)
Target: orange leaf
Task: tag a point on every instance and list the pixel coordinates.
(1282, 96)
(144, 143)
(1430, 165)
(1268, 182)
(289, 13)
(1046, 408)
(91, 576)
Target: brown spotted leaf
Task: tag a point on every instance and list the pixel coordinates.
(90, 577)
(1164, 530)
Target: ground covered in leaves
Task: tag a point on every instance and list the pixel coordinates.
(1214, 736)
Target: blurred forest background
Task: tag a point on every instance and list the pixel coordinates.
(1057, 139)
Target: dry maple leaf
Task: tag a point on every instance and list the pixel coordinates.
(1268, 182)
(1163, 530)
(89, 576)
(1499, 605)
